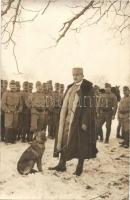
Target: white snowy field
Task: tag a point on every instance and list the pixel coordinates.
(105, 177)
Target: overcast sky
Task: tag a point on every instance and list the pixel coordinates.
(94, 49)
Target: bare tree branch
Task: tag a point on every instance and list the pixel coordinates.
(117, 8)
(46, 6)
(8, 27)
(7, 8)
(91, 13)
(16, 61)
(68, 24)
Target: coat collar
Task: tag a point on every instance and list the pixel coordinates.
(85, 87)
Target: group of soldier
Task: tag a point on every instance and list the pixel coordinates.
(24, 112)
(109, 103)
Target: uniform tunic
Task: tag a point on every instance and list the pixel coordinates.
(11, 105)
(124, 113)
(106, 108)
(37, 103)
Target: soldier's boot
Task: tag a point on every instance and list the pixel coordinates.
(61, 167)
(23, 136)
(19, 136)
(2, 127)
(79, 168)
(101, 135)
(122, 133)
(17, 132)
(49, 130)
(108, 135)
(52, 132)
(23, 139)
(118, 131)
(10, 135)
(2, 134)
(13, 133)
(6, 135)
(126, 139)
(30, 136)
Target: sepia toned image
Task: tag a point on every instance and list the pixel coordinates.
(65, 99)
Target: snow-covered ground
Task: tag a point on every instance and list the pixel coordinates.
(105, 177)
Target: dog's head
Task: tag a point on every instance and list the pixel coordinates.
(41, 137)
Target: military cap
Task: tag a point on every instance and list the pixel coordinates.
(107, 85)
(44, 84)
(30, 85)
(57, 84)
(25, 83)
(62, 86)
(126, 88)
(38, 83)
(17, 83)
(102, 90)
(5, 82)
(49, 82)
(12, 82)
(2, 82)
(96, 87)
(77, 70)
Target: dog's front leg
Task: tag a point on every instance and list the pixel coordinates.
(39, 164)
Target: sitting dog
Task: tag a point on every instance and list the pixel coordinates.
(33, 154)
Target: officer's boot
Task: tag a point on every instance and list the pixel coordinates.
(126, 139)
(61, 167)
(79, 168)
(107, 135)
(122, 133)
(118, 131)
(53, 132)
(101, 135)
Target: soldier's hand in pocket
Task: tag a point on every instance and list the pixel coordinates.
(84, 127)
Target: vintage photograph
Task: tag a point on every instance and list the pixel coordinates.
(65, 100)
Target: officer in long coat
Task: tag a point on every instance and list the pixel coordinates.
(76, 135)
(11, 105)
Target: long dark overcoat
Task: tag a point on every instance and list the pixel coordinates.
(82, 144)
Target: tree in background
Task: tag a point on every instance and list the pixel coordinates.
(85, 13)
